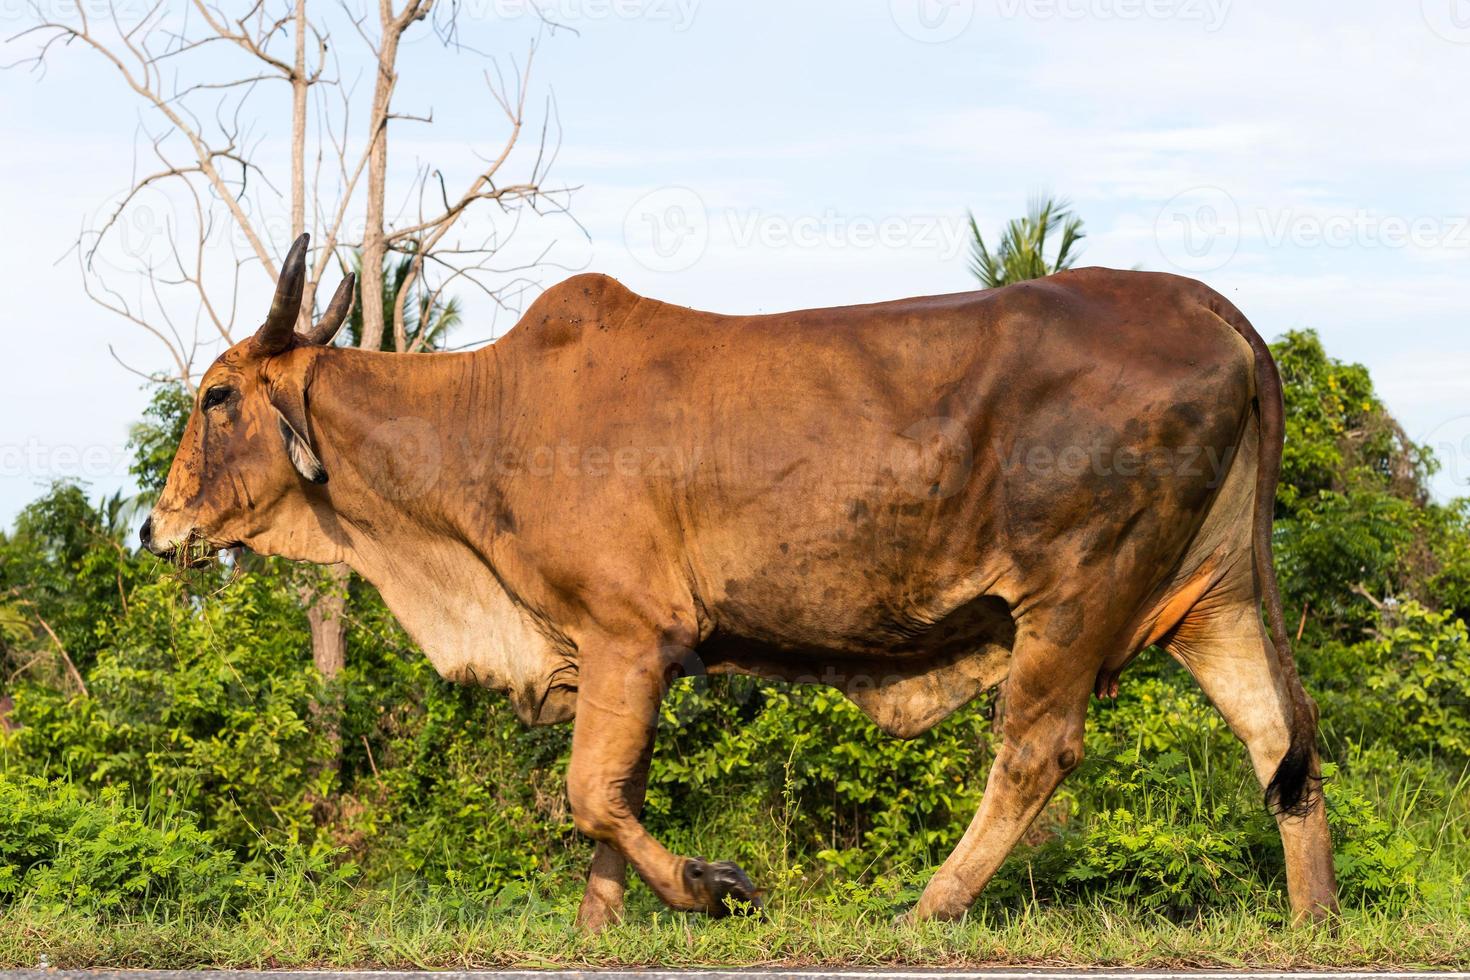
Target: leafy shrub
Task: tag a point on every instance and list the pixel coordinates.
(212, 700)
(1377, 863)
(808, 764)
(1164, 813)
(64, 851)
(1419, 667)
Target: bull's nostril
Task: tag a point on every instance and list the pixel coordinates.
(145, 534)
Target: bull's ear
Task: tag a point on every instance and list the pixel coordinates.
(290, 406)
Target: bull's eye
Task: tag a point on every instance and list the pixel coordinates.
(217, 395)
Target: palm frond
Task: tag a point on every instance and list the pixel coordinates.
(1022, 252)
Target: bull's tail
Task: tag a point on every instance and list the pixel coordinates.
(1291, 790)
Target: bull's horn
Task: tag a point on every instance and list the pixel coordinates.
(332, 320)
(275, 334)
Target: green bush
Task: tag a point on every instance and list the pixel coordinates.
(63, 851)
(823, 780)
(1378, 863)
(1418, 667)
(212, 700)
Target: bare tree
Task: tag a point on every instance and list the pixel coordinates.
(205, 184)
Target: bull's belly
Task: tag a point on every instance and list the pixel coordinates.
(906, 673)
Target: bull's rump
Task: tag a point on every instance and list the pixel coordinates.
(856, 481)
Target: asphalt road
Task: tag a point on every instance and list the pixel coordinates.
(754, 974)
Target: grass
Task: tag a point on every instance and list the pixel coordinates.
(407, 930)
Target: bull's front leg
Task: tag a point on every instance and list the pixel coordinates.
(618, 698)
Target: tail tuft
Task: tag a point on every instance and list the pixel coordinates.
(1293, 790)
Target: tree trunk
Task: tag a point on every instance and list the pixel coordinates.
(299, 86)
(326, 612)
(324, 595)
(374, 248)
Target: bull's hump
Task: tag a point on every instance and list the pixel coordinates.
(564, 312)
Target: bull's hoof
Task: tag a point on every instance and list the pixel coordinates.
(594, 915)
(722, 888)
(942, 901)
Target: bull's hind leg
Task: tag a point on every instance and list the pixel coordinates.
(1052, 672)
(1223, 643)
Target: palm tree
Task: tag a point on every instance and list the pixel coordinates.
(427, 319)
(1022, 251)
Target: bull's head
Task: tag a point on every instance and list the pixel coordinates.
(247, 458)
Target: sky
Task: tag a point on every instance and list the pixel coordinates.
(1308, 160)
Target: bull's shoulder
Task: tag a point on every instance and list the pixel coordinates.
(561, 315)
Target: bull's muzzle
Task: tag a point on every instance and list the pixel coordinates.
(190, 552)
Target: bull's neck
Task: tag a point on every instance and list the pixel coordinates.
(407, 439)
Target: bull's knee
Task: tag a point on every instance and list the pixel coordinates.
(597, 808)
(1050, 750)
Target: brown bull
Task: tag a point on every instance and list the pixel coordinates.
(911, 501)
